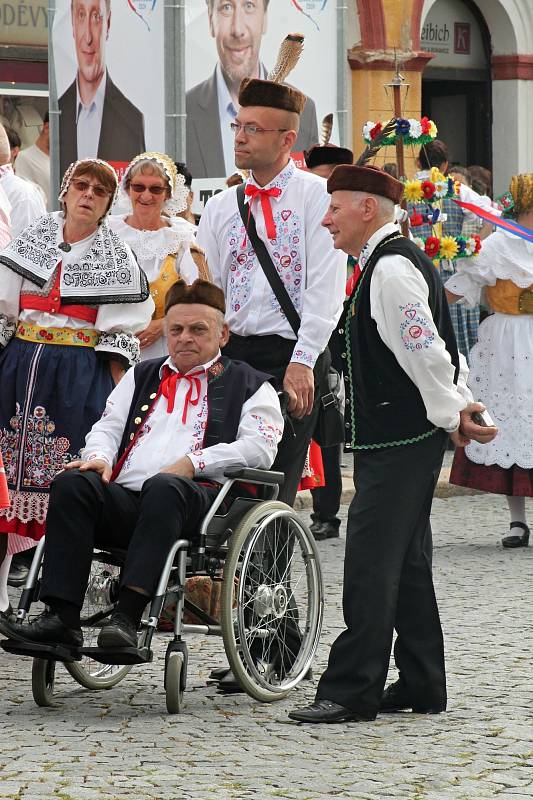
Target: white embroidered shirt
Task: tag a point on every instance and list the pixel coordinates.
(164, 438)
(313, 273)
(399, 304)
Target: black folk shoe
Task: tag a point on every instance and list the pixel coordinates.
(517, 539)
(326, 711)
(45, 629)
(395, 698)
(120, 631)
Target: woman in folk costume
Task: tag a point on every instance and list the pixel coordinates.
(500, 375)
(163, 243)
(72, 297)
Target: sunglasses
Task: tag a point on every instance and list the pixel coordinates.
(98, 189)
(139, 188)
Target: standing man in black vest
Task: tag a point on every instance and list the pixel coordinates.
(406, 392)
(151, 467)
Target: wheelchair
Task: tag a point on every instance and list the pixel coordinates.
(271, 601)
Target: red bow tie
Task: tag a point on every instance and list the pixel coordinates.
(252, 192)
(168, 389)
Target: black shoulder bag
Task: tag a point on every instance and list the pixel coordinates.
(329, 429)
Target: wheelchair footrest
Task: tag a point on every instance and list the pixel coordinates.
(51, 652)
(119, 655)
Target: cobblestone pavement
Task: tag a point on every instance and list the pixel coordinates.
(121, 743)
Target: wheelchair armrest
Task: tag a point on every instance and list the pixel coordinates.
(250, 475)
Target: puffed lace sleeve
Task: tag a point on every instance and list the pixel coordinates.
(10, 287)
(118, 323)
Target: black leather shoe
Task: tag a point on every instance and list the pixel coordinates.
(325, 530)
(329, 712)
(516, 539)
(395, 698)
(45, 629)
(120, 631)
(17, 575)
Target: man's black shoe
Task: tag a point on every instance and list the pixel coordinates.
(120, 631)
(17, 574)
(45, 629)
(395, 698)
(329, 712)
(325, 530)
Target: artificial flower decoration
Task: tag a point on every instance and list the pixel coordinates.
(436, 188)
(432, 246)
(449, 247)
(412, 191)
(412, 131)
(428, 190)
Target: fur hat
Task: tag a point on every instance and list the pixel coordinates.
(257, 92)
(365, 179)
(320, 155)
(202, 292)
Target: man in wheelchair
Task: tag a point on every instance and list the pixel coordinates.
(151, 467)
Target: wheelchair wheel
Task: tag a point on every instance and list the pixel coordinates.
(97, 605)
(42, 681)
(174, 682)
(272, 601)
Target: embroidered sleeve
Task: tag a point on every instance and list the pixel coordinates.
(121, 344)
(260, 430)
(400, 308)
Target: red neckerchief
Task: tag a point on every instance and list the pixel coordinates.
(353, 280)
(252, 192)
(169, 385)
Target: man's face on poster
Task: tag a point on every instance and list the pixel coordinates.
(90, 25)
(237, 26)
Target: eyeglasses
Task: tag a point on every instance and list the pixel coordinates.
(253, 130)
(139, 188)
(83, 186)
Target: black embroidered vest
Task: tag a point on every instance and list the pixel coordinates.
(384, 408)
(229, 385)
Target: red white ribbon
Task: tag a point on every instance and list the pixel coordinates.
(169, 385)
(252, 192)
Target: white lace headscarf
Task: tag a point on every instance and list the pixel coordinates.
(72, 170)
(179, 193)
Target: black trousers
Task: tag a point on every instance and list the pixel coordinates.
(84, 512)
(327, 499)
(388, 581)
(272, 354)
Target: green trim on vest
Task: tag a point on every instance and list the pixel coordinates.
(347, 338)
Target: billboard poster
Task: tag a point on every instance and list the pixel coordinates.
(109, 69)
(227, 40)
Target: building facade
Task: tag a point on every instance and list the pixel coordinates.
(469, 66)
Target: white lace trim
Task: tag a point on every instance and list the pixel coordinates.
(154, 244)
(501, 376)
(26, 506)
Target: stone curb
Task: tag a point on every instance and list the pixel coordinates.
(443, 490)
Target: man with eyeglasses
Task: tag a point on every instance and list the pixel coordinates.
(237, 27)
(287, 204)
(96, 118)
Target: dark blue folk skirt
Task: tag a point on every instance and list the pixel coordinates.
(50, 397)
